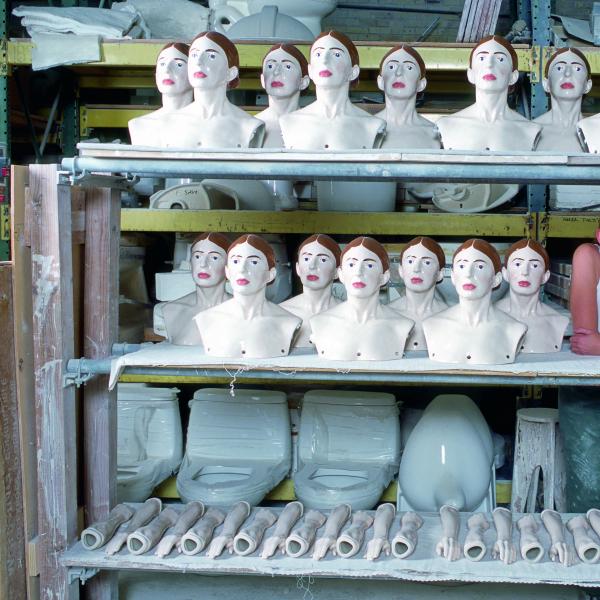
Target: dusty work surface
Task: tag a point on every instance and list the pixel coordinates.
(555, 368)
(422, 566)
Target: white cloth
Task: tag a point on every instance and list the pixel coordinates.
(53, 49)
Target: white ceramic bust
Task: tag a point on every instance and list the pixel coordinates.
(211, 120)
(284, 75)
(318, 260)
(567, 80)
(489, 124)
(248, 325)
(401, 77)
(332, 122)
(361, 328)
(208, 258)
(474, 331)
(172, 82)
(526, 269)
(421, 268)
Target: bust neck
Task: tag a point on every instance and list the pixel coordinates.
(210, 296)
(177, 101)
(522, 306)
(490, 106)
(399, 112)
(362, 309)
(210, 103)
(566, 113)
(316, 301)
(251, 306)
(475, 312)
(419, 303)
(332, 102)
(282, 106)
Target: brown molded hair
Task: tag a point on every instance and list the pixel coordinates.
(409, 50)
(293, 52)
(233, 58)
(575, 51)
(325, 241)
(216, 238)
(370, 244)
(179, 46)
(483, 247)
(431, 245)
(256, 242)
(535, 246)
(347, 43)
(504, 43)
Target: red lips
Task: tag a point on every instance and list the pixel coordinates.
(203, 275)
(359, 285)
(489, 77)
(312, 278)
(469, 287)
(567, 85)
(277, 84)
(168, 82)
(416, 280)
(398, 84)
(325, 73)
(242, 281)
(199, 75)
(524, 283)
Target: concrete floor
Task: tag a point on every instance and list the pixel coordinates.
(175, 586)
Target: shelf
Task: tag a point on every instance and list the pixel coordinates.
(397, 223)
(423, 565)
(569, 225)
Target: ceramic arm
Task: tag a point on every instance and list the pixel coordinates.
(405, 541)
(587, 550)
(186, 520)
(503, 549)
(448, 547)
(593, 516)
(287, 519)
(383, 521)
(197, 538)
(248, 540)
(145, 538)
(474, 547)
(144, 514)
(338, 516)
(301, 539)
(559, 551)
(98, 534)
(349, 543)
(531, 548)
(235, 517)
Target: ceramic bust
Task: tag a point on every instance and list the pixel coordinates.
(585, 299)
(317, 264)
(401, 77)
(361, 328)
(211, 120)
(332, 122)
(474, 331)
(208, 259)
(284, 75)
(421, 267)
(567, 80)
(526, 269)
(172, 82)
(489, 124)
(248, 325)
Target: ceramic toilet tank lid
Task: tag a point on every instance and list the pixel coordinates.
(349, 398)
(224, 395)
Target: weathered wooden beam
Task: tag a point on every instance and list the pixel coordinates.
(101, 302)
(53, 337)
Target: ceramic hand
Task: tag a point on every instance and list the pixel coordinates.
(560, 552)
(322, 546)
(505, 551)
(376, 546)
(219, 544)
(448, 548)
(585, 341)
(271, 545)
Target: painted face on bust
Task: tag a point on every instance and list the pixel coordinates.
(330, 64)
(400, 76)
(316, 266)
(526, 272)
(171, 72)
(282, 75)
(362, 273)
(420, 269)
(248, 270)
(208, 67)
(491, 68)
(473, 274)
(567, 77)
(208, 263)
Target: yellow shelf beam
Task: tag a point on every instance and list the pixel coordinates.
(398, 223)
(568, 226)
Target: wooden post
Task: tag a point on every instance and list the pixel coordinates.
(54, 404)
(12, 542)
(101, 303)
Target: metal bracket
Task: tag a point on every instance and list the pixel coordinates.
(78, 378)
(85, 179)
(82, 573)
(3, 58)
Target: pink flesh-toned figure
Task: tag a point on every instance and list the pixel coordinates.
(585, 279)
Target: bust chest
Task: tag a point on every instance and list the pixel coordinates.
(411, 137)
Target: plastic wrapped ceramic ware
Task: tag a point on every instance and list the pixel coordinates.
(337, 462)
(361, 328)
(474, 331)
(248, 325)
(176, 91)
(211, 120)
(316, 266)
(142, 516)
(527, 269)
(448, 459)
(269, 25)
(149, 439)
(238, 447)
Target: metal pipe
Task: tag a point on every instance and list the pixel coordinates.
(49, 122)
(527, 172)
(401, 9)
